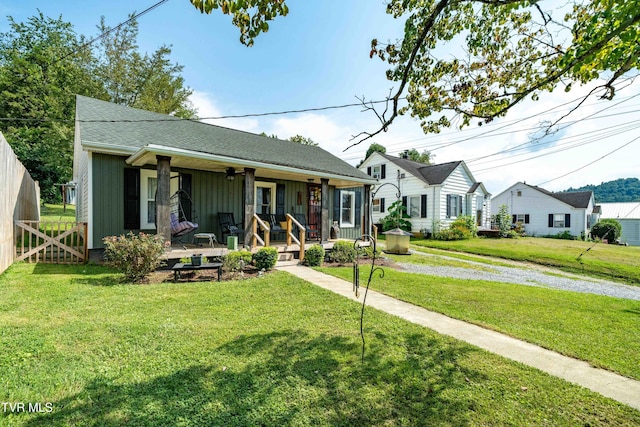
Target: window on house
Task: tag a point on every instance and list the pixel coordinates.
(523, 218)
(347, 208)
(559, 220)
(519, 193)
(265, 197)
(376, 172)
(148, 189)
(414, 206)
(454, 205)
(378, 205)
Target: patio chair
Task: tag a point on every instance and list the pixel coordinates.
(274, 226)
(302, 219)
(228, 225)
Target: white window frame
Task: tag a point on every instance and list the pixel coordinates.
(521, 218)
(375, 205)
(376, 171)
(559, 223)
(145, 197)
(413, 210)
(270, 185)
(352, 209)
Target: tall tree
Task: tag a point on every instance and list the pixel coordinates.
(43, 64)
(373, 148)
(508, 51)
(150, 82)
(425, 157)
(303, 140)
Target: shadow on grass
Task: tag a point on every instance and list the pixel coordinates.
(289, 377)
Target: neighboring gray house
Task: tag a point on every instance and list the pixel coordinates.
(628, 215)
(434, 195)
(124, 156)
(543, 212)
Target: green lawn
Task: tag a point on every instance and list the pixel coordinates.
(607, 261)
(57, 213)
(601, 330)
(270, 351)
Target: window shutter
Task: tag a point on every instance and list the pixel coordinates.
(423, 206)
(550, 220)
(358, 206)
(185, 201)
(448, 206)
(459, 205)
(132, 199)
(526, 218)
(336, 205)
(514, 218)
(383, 171)
(369, 170)
(382, 205)
(567, 220)
(404, 203)
(280, 208)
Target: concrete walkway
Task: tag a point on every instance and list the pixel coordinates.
(606, 383)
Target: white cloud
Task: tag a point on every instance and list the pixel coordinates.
(206, 106)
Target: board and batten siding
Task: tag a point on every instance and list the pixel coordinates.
(524, 200)
(211, 193)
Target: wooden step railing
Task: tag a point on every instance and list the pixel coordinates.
(258, 222)
(291, 221)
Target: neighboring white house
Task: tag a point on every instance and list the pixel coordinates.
(628, 215)
(544, 213)
(434, 195)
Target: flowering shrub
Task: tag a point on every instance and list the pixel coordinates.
(135, 256)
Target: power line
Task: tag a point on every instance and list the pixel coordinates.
(589, 164)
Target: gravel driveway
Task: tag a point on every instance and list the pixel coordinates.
(527, 275)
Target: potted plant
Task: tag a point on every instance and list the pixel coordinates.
(196, 259)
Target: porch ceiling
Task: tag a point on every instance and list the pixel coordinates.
(207, 162)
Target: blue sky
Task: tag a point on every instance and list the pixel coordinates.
(318, 56)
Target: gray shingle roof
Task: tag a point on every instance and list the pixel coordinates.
(431, 174)
(577, 199)
(130, 129)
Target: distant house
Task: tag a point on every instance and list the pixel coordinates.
(628, 215)
(434, 195)
(123, 156)
(543, 212)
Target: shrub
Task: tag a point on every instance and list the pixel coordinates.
(395, 219)
(135, 256)
(609, 229)
(266, 258)
(314, 256)
(343, 252)
(463, 228)
(563, 235)
(236, 260)
(503, 220)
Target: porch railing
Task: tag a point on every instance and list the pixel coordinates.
(258, 222)
(291, 221)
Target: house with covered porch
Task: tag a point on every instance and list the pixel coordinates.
(129, 164)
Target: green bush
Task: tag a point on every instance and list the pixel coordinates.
(395, 219)
(463, 228)
(236, 260)
(343, 252)
(563, 235)
(135, 256)
(266, 258)
(609, 229)
(314, 256)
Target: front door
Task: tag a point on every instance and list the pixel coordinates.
(314, 207)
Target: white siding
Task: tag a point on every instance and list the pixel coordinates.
(524, 200)
(630, 233)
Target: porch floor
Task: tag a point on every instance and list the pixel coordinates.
(178, 251)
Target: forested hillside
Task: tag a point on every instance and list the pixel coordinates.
(620, 190)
